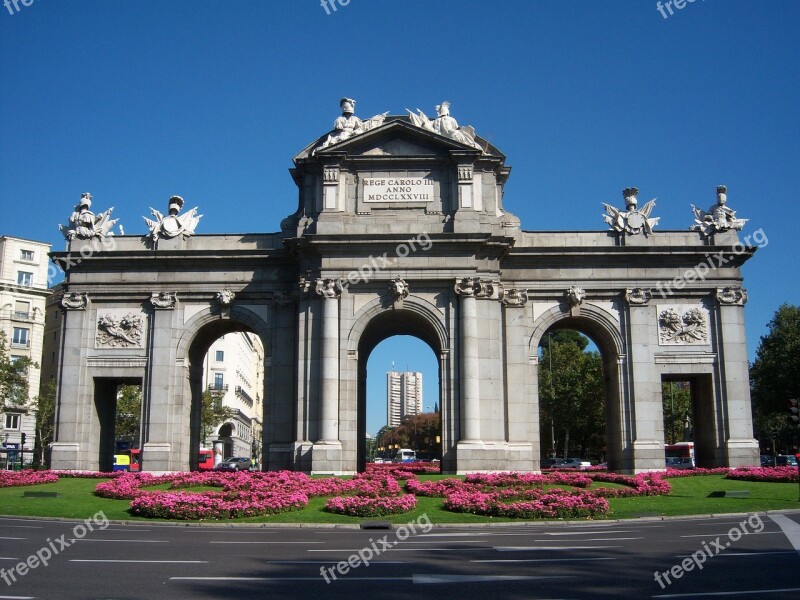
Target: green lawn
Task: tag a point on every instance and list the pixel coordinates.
(689, 496)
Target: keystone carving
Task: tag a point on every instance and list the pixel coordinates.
(398, 289)
(163, 300)
(225, 297)
(575, 295)
(731, 295)
(74, 301)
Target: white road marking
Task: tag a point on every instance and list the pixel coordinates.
(529, 548)
(17, 597)
(789, 528)
(423, 579)
(592, 532)
(118, 540)
(534, 560)
(736, 593)
(726, 534)
(261, 542)
(115, 560)
(743, 553)
(12, 538)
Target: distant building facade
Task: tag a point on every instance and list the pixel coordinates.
(403, 396)
(234, 368)
(23, 294)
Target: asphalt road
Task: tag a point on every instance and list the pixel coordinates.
(759, 558)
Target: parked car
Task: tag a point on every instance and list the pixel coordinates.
(786, 460)
(766, 460)
(572, 463)
(235, 463)
(549, 463)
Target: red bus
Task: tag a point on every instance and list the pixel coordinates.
(205, 460)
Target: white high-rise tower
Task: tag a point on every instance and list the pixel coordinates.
(403, 396)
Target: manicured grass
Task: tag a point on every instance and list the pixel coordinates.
(689, 496)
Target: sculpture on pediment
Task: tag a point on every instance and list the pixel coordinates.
(631, 221)
(349, 125)
(122, 332)
(719, 217)
(84, 224)
(445, 125)
(173, 224)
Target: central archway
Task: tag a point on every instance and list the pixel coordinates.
(377, 323)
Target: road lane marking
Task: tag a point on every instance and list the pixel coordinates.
(736, 593)
(533, 560)
(260, 542)
(73, 540)
(743, 553)
(529, 548)
(395, 549)
(789, 528)
(423, 579)
(12, 538)
(595, 539)
(722, 535)
(592, 532)
(116, 560)
(18, 597)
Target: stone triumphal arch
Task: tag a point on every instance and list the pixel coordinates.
(400, 228)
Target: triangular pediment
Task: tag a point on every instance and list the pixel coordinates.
(395, 137)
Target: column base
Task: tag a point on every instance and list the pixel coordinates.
(326, 459)
(156, 458)
(278, 457)
(66, 456)
(648, 456)
(478, 456)
(742, 453)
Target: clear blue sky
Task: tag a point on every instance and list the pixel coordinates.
(137, 101)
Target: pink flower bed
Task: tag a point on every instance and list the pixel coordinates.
(368, 506)
(436, 489)
(527, 503)
(417, 467)
(698, 471)
(765, 474)
(512, 479)
(19, 478)
(216, 505)
(643, 484)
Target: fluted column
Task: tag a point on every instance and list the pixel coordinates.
(330, 291)
(470, 381)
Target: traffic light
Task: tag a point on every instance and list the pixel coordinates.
(22, 437)
(794, 412)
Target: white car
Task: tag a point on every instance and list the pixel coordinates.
(572, 463)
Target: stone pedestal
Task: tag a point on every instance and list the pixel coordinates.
(156, 458)
(326, 459)
(65, 456)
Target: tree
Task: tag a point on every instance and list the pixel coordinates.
(45, 406)
(13, 376)
(213, 412)
(775, 374)
(676, 397)
(571, 394)
(128, 416)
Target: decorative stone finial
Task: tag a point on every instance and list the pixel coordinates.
(173, 224)
(84, 225)
(632, 221)
(719, 217)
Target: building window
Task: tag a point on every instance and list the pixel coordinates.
(26, 255)
(20, 337)
(219, 381)
(22, 310)
(12, 421)
(24, 278)
(220, 356)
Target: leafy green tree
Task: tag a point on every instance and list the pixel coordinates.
(13, 376)
(571, 395)
(213, 412)
(775, 374)
(129, 410)
(677, 400)
(45, 406)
